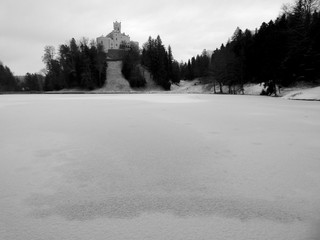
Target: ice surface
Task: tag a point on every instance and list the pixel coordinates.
(158, 167)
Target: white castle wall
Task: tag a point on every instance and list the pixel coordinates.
(114, 38)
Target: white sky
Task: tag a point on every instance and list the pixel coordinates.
(189, 26)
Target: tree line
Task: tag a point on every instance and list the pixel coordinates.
(84, 66)
(10, 83)
(76, 65)
(280, 52)
(196, 67)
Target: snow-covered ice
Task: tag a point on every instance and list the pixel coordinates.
(158, 166)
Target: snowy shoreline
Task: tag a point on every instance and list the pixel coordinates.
(195, 87)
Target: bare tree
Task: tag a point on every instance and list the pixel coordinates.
(310, 6)
(307, 6)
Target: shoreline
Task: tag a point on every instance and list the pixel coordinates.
(303, 93)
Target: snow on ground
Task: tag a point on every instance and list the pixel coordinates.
(253, 89)
(194, 86)
(159, 166)
(295, 93)
(304, 94)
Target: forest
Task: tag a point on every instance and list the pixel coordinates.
(283, 51)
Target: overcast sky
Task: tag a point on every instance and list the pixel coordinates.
(189, 26)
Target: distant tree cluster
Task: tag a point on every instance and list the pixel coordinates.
(163, 68)
(197, 67)
(32, 82)
(130, 67)
(280, 52)
(29, 82)
(76, 66)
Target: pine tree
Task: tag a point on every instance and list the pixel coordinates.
(7, 81)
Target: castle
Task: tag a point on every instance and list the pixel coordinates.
(115, 39)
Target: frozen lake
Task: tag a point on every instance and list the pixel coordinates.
(97, 167)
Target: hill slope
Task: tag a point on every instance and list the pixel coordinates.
(150, 83)
(115, 81)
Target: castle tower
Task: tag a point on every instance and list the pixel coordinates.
(117, 26)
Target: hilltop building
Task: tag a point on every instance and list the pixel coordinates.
(115, 39)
